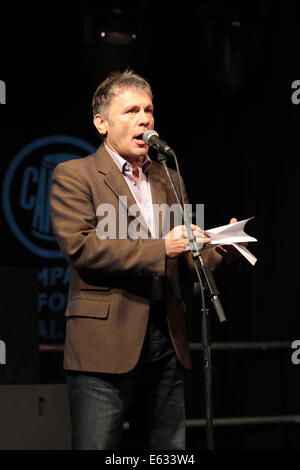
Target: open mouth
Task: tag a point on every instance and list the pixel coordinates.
(139, 139)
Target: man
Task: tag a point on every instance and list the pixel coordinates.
(126, 343)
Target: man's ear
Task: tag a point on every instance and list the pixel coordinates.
(101, 124)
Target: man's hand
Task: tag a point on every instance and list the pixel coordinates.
(228, 252)
(176, 241)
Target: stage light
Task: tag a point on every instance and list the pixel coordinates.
(112, 39)
(117, 32)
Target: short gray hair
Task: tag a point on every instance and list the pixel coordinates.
(114, 83)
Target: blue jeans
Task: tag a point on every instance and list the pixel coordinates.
(150, 397)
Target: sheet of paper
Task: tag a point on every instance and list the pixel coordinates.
(232, 234)
(246, 253)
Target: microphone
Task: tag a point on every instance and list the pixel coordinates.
(151, 138)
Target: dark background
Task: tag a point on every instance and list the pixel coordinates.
(222, 75)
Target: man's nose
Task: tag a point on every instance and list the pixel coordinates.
(143, 118)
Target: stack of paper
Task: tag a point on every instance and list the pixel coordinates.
(232, 234)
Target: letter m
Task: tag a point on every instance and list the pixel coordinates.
(2, 92)
(2, 352)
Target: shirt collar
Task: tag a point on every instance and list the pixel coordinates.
(123, 165)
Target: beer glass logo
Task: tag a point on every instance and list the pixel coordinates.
(26, 190)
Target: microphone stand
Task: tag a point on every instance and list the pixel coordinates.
(206, 285)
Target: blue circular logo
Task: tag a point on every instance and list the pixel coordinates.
(26, 190)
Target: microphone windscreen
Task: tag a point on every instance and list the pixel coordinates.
(148, 134)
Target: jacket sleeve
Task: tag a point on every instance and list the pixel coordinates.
(74, 222)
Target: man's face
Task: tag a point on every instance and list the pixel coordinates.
(130, 114)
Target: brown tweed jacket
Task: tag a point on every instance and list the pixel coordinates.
(111, 279)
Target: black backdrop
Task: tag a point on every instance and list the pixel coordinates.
(222, 76)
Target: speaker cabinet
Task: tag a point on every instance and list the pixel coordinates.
(19, 347)
(34, 417)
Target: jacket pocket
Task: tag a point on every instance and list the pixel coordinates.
(88, 308)
(94, 288)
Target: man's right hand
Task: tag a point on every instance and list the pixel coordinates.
(176, 241)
